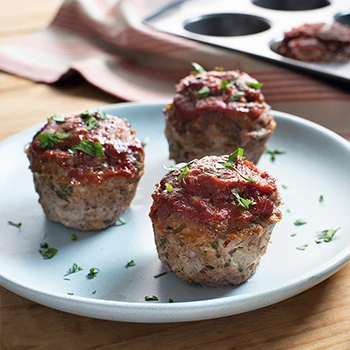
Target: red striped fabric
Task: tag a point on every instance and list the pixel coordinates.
(105, 41)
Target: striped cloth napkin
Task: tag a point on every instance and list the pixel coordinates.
(105, 41)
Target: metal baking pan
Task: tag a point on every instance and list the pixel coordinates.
(254, 26)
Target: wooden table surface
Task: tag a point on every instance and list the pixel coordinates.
(316, 319)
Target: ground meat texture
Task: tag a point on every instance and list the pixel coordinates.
(214, 113)
(318, 42)
(203, 233)
(86, 168)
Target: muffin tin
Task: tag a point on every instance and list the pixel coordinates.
(254, 27)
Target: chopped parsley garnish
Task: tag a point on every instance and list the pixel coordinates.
(75, 268)
(245, 203)
(102, 115)
(66, 279)
(91, 148)
(160, 274)
(321, 199)
(94, 292)
(284, 187)
(226, 84)
(74, 237)
(254, 85)
(122, 221)
(18, 225)
(233, 156)
(326, 235)
(171, 300)
(300, 222)
(145, 141)
(198, 68)
(170, 167)
(288, 210)
(46, 251)
(293, 234)
(231, 163)
(130, 263)
(302, 247)
(274, 153)
(151, 298)
(85, 114)
(168, 187)
(49, 139)
(70, 293)
(57, 118)
(93, 272)
(185, 171)
(237, 96)
(203, 92)
(91, 123)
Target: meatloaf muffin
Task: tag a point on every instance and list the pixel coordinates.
(86, 168)
(213, 217)
(317, 42)
(215, 112)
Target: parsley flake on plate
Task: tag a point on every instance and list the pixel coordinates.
(93, 272)
(74, 237)
(75, 268)
(122, 221)
(130, 264)
(273, 153)
(46, 251)
(302, 247)
(300, 222)
(18, 224)
(160, 274)
(151, 298)
(321, 199)
(326, 235)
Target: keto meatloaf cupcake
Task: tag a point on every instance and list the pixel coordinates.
(213, 217)
(316, 42)
(86, 168)
(215, 112)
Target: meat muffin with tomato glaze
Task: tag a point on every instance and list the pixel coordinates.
(86, 168)
(216, 112)
(213, 218)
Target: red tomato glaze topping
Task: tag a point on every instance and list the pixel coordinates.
(122, 152)
(230, 92)
(205, 193)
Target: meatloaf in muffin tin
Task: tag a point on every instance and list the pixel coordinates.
(216, 112)
(86, 168)
(213, 217)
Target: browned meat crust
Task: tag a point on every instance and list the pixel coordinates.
(233, 114)
(80, 188)
(202, 232)
(317, 42)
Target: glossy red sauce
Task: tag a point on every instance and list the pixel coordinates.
(123, 152)
(188, 102)
(204, 194)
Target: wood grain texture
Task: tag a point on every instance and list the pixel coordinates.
(316, 319)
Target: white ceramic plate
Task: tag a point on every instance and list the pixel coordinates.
(316, 163)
